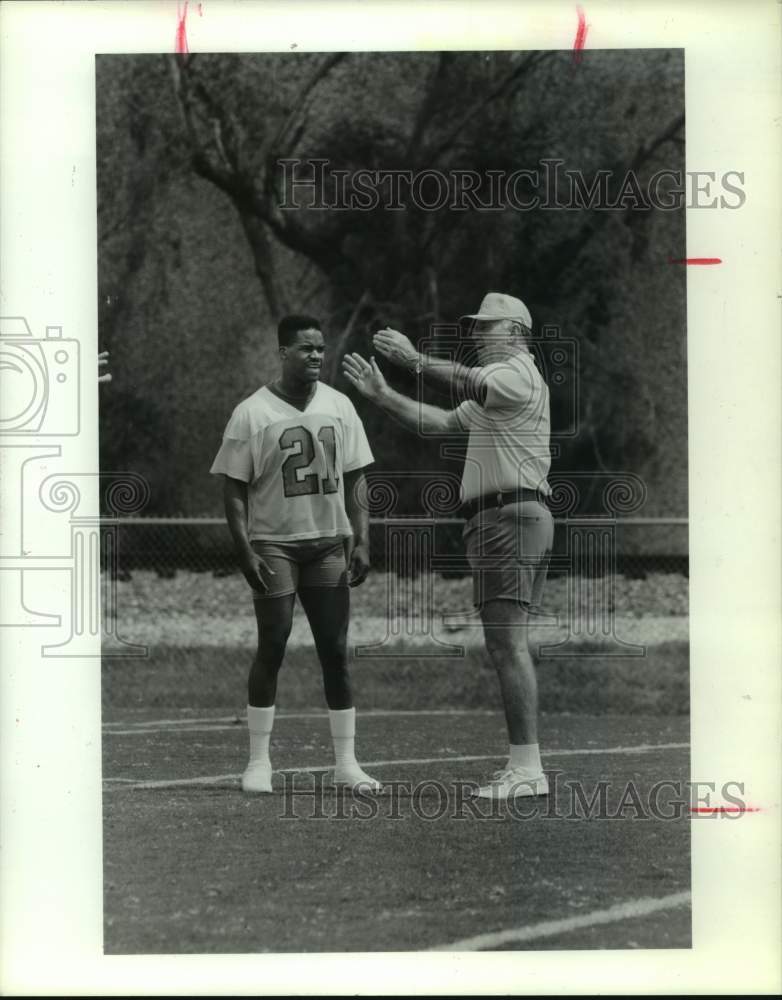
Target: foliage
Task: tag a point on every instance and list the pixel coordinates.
(197, 260)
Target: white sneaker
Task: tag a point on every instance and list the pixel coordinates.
(257, 777)
(514, 782)
(356, 780)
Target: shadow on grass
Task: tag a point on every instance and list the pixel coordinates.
(206, 677)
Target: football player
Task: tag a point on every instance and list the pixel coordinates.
(291, 459)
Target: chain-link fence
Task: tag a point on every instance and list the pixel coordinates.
(612, 630)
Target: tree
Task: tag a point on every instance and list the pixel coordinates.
(230, 120)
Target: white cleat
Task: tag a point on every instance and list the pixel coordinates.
(257, 778)
(514, 782)
(356, 780)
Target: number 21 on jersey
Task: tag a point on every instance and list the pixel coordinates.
(299, 441)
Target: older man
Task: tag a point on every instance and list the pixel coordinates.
(509, 530)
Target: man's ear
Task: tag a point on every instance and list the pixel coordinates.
(516, 330)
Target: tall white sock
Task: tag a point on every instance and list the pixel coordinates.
(526, 755)
(260, 722)
(342, 723)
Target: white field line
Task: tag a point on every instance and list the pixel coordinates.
(129, 784)
(227, 723)
(175, 732)
(235, 719)
(548, 928)
(174, 722)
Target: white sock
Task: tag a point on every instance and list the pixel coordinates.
(526, 755)
(342, 723)
(260, 722)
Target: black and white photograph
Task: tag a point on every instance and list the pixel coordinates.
(398, 349)
(399, 607)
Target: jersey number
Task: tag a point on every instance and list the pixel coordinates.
(301, 439)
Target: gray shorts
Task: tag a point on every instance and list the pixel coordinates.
(509, 549)
(317, 562)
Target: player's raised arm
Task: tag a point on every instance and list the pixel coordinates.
(399, 349)
(368, 379)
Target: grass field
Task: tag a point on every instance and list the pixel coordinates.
(199, 632)
(208, 676)
(192, 865)
(204, 596)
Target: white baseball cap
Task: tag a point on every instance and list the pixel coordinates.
(495, 305)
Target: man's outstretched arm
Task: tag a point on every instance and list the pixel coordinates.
(399, 349)
(368, 379)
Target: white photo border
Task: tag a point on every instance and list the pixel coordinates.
(51, 903)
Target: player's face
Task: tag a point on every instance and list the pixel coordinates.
(302, 360)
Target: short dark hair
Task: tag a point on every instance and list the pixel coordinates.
(289, 326)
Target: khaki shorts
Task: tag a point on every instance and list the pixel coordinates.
(315, 562)
(509, 549)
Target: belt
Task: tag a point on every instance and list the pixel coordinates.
(490, 500)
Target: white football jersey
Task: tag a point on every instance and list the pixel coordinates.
(294, 462)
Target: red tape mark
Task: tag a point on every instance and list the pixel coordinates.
(724, 809)
(180, 43)
(694, 260)
(581, 35)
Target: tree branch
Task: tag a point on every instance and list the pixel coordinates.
(218, 159)
(502, 89)
(646, 153)
(428, 107)
(568, 251)
(282, 145)
(217, 172)
(337, 349)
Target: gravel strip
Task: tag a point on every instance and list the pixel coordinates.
(170, 629)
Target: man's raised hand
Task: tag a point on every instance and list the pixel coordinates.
(396, 347)
(103, 360)
(364, 376)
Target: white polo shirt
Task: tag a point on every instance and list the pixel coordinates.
(508, 447)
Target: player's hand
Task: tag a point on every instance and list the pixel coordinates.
(396, 347)
(364, 376)
(103, 360)
(256, 571)
(359, 565)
